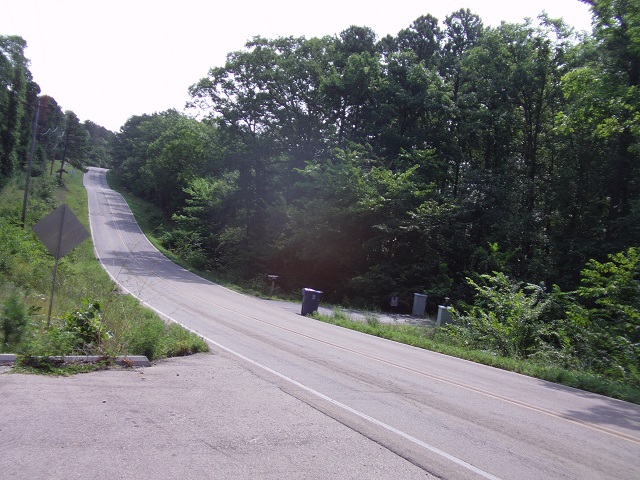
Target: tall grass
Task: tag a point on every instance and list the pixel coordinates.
(26, 269)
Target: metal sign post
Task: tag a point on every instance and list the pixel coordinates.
(61, 232)
(55, 267)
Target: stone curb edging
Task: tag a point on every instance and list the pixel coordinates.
(129, 360)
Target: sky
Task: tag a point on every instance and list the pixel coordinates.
(110, 60)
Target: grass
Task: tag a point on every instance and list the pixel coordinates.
(423, 337)
(48, 366)
(26, 270)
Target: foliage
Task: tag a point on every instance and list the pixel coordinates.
(26, 117)
(15, 86)
(594, 328)
(607, 309)
(75, 143)
(460, 161)
(146, 337)
(366, 165)
(610, 294)
(181, 342)
(505, 318)
(87, 328)
(13, 321)
(100, 143)
(151, 337)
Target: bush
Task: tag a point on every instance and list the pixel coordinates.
(606, 311)
(150, 336)
(506, 318)
(78, 332)
(13, 321)
(86, 328)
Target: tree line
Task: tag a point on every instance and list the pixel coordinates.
(367, 166)
(25, 115)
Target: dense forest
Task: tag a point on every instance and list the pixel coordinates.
(497, 167)
(365, 167)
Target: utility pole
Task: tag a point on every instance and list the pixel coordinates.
(33, 146)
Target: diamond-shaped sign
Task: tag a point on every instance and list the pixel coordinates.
(60, 231)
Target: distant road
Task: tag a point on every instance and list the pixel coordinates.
(452, 418)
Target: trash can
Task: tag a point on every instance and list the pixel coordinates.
(419, 304)
(444, 315)
(310, 300)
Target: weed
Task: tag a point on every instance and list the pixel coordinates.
(87, 328)
(372, 320)
(13, 321)
(146, 337)
(339, 314)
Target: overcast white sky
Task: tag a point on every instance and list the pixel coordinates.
(107, 61)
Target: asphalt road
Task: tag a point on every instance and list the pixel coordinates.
(431, 414)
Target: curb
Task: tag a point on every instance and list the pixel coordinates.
(129, 360)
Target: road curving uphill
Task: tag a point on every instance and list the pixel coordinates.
(285, 387)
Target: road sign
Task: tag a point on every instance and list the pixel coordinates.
(60, 231)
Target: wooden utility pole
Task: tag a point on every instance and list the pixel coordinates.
(26, 186)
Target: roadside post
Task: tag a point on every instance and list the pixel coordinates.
(394, 301)
(272, 279)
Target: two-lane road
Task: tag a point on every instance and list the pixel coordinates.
(453, 418)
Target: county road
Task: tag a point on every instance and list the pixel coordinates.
(451, 418)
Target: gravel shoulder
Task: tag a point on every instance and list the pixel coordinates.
(359, 315)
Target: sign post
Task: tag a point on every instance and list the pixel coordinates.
(60, 232)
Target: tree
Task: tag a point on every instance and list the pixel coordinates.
(463, 30)
(617, 31)
(608, 310)
(14, 114)
(177, 155)
(269, 102)
(514, 76)
(129, 153)
(422, 38)
(156, 156)
(75, 143)
(51, 128)
(100, 139)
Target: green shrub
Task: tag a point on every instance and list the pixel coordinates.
(78, 332)
(44, 342)
(339, 314)
(87, 329)
(13, 321)
(506, 318)
(372, 319)
(606, 315)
